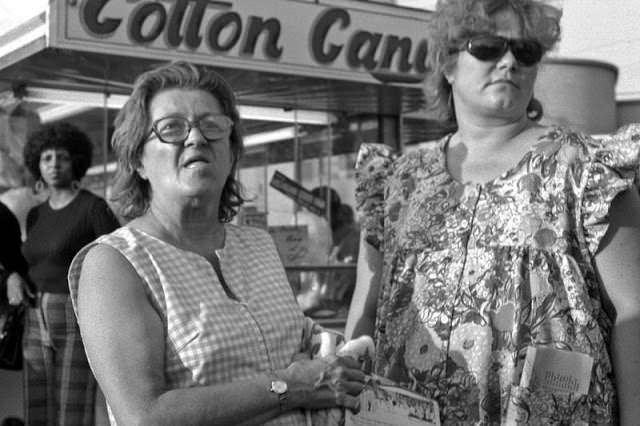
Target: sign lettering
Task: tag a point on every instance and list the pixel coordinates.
(265, 35)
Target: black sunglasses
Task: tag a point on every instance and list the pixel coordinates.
(491, 47)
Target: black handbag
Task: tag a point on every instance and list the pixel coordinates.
(11, 337)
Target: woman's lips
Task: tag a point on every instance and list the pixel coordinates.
(196, 161)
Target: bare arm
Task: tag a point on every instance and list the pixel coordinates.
(17, 289)
(124, 340)
(362, 312)
(618, 263)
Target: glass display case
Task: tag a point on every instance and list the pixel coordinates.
(301, 189)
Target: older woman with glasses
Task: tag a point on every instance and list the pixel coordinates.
(186, 318)
(499, 265)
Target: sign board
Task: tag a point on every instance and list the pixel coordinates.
(292, 243)
(299, 194)
(250, 216)
(340, 39)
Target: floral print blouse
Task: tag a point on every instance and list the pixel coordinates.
(474, 274)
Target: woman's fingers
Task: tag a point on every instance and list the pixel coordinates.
(350, 402)
(342, 395)
(351, 388)
(341, 380)
(332, 381)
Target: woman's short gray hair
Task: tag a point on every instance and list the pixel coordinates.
(132, 194)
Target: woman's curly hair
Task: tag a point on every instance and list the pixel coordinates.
(132, 194)
(454, 21)
(59, 135)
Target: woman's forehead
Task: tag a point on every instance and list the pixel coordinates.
(504, 22)
(507, 23)
(54, 149)
(183, 100)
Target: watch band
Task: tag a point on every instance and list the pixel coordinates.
(281, 389)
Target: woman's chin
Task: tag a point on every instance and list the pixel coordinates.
(507, 109)
(205, 189)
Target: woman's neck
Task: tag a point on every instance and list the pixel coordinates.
(61, 197)
(490, 137)
(479, 154)
(197, 229)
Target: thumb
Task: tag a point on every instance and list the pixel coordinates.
(300, 356)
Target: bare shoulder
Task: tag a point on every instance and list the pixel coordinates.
(103, 259)
(106, 275)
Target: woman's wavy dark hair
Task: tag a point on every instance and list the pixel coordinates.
(454, 21)
(132, 194)
(59, 135)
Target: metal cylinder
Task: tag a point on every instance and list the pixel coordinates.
(578, 94)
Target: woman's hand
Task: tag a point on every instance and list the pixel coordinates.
(17, 289)
(326, 382)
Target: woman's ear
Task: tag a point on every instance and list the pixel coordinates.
(448, 74)
(140, 171)
(448, 71)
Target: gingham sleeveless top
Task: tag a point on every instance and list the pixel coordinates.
(211, 338)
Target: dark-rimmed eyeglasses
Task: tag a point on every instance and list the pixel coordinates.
(492, 47)
(175, 129)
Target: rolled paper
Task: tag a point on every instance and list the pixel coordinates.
(362, 346)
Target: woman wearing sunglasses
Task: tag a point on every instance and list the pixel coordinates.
(186, 318)
(499, 265)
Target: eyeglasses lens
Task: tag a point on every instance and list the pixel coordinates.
(489, 48)
(215, 127)
(176, 129)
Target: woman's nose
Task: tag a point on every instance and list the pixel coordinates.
(508, 60)
(195, 137)
(54, 161)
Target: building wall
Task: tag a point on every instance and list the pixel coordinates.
(628, 112)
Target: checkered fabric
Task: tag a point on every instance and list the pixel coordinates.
(212, 339)
(60, 388)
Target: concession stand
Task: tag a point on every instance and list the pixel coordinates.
(314, 79)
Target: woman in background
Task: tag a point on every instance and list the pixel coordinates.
(502, 241)
(60, 389)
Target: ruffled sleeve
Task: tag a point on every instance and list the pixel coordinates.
(613, 168)
(373, 166)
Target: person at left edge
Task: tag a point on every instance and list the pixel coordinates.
(12, 260)
(59, 386)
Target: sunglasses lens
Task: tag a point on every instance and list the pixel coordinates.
(490, 48)
(528, 52)
(487, 48)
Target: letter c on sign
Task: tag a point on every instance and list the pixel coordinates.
(89, 12)
(320, 31)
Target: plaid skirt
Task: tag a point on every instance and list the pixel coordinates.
(59, 386)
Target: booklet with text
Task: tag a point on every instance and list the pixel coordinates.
(388, 405)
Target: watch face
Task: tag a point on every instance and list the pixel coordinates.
(278, 386)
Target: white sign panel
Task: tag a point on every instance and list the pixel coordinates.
(348, 40)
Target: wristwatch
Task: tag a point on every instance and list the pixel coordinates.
(280, 388)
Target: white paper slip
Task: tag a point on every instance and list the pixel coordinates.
(556, 370)
(393, 406)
